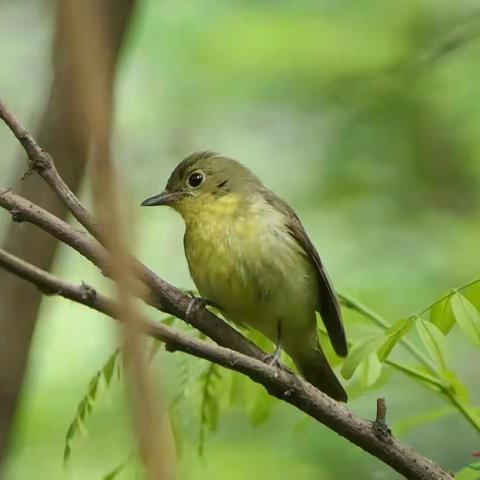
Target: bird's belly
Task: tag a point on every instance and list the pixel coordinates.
(256, 278)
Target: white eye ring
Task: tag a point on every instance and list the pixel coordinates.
(195, 179)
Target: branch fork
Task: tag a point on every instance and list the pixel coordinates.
(380, 423)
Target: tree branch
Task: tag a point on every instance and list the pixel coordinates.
(281, 384)
(247, 359)
(176, 302)
(172, 300)
(164, 296)
(57, 130)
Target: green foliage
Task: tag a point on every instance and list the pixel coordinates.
(412, 422)
(209, 404)
(434, 341)
(364, 144)
(86, 403)
(369, 370)
(467, 317)
(216, 390)
(442, 315)
(393, 335)
(431, 371)
(359, 354)
(103, 377)
(114, 473)
(472, 472)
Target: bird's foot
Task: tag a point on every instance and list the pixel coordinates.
(197, 303)
(274, 360)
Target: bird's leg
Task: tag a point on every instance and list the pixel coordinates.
(196, 303)
(274, 360)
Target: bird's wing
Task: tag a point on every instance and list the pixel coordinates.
(328, 306)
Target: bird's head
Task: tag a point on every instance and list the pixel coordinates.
(204, 178)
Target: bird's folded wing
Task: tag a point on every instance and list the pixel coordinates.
(328, 306)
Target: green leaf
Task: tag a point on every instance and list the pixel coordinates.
(357, 388)
(393, 335)
(109, 368)
(410, 423)
(369, 370)
(469, 473)
(83, 409)
(456, 386)
(434, 341)
(358, 354)
(67, 453)
(93, 387)
(183, 379)
(467, 316)
(442, 315)
(86, 403)
(472, 292)
(113, 474)
(209, 403)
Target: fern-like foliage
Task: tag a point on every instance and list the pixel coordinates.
(85, 407)
(103, 377)
(203, 391)
(114, 473)
(209, 403)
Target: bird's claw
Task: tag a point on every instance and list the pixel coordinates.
(196, 303)
(274, 360)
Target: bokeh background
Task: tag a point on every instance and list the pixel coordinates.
(364, 115)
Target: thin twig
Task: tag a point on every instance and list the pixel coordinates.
(378, 320)
(164, 296)
(174, 302)
(448, 295)
(380, 423)
(432, 377)
(281, 384)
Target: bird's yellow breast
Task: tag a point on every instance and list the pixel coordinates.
(241, 256)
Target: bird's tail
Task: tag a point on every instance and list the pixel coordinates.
(313, 365)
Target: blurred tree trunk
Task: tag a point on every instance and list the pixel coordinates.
(62, 136)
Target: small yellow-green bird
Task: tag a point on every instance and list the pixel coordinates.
(250, 256)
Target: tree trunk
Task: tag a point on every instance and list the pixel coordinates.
(60, 135)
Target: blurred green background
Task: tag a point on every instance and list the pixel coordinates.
(363, 114)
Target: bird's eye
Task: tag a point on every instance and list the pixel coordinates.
(195, 179)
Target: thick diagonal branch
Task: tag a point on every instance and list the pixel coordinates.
(171, 300)
(242, 355)
(57, 132)
(283, 385)
(163, 295)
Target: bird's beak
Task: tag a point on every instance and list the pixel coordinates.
(164, 198)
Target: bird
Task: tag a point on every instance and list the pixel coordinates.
(250, 256)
